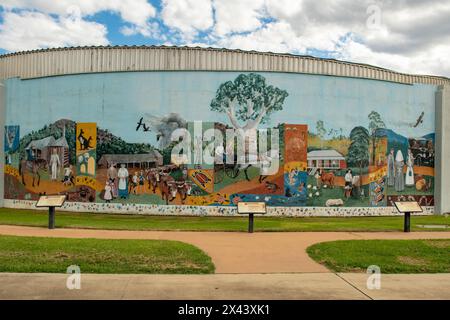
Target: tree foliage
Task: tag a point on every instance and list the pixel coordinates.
(375, 122)
(358, 152)
(248, 100)
(320, 129)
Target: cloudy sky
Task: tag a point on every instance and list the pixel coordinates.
(410, 36)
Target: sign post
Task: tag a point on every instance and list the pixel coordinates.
(51, 202)
(408, 207)
(251, 208)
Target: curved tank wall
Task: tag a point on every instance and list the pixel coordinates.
(342, 146)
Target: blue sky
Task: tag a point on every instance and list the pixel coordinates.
(407, 35)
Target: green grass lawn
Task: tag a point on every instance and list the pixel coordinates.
(139, 222)
(392, 256)
(54, 255)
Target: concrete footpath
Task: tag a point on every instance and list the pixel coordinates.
(305, 286)
(271, 265)
(236, 252)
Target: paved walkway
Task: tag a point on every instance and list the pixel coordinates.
(323, 286)
(233, 252)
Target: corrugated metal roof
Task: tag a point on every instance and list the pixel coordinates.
(49, 141)
(42, 143)
(74, 60)
(325, 155)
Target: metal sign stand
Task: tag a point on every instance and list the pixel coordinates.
(51, 217)
(407, 222)
(51, 202)
(251, 208)
(250, 222)
(407, 207)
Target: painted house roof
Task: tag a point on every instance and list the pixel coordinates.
(48, 142)
(325, 155)
(42, 143)
(61, 142)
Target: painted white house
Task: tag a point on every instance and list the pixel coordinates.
(326, 159)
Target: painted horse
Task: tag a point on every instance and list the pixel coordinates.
(32, 167)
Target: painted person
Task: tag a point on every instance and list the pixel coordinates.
(55, 163)
(134, 182)
(68, 175)
(409, 177)
(108, 192)
(123, 180)
(348, 178)
(114, 189)
(292, 175)
(391, 169)
(112, 177)
(317, 176)
(399, 176)
(141, 181)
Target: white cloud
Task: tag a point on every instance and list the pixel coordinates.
(132, 11)
(285, 8)
(187, 16)
(150, 30)
(30, 30)
(274, 37)
(432, 61)
(238, 15)
(411, 36)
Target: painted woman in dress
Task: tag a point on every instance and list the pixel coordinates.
(409, 178)
(123, 180)
(108, 193)
(399, 176)
(391, 169)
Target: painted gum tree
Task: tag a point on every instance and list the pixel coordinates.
(248, 101)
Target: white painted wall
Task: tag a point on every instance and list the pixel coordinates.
(442, 167)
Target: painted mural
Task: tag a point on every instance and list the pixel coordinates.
(318, 141)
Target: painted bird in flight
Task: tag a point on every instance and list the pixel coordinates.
(419, 120)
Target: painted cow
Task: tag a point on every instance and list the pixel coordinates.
(168, 188)
(153, 178)
(184, 189)
(326, 178)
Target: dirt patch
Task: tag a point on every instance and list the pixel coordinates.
(413, 261)
(442, 244)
